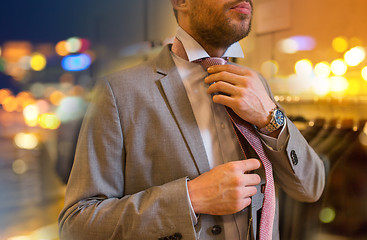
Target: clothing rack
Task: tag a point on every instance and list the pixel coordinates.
(334, 127)
(327, 108)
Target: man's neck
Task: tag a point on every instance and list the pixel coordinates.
(213, 51)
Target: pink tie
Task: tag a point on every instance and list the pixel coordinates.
(245, 131)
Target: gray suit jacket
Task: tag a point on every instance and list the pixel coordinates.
(138, 145)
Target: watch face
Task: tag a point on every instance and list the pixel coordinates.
(279, 117)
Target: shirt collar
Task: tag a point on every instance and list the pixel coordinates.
(195, 51)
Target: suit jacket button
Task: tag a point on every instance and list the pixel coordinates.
(294, 157)
(216, 230)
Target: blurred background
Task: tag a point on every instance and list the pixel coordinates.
(313, 54)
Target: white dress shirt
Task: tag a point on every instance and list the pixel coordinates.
(219, 138)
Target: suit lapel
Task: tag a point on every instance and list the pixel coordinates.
(180, 107)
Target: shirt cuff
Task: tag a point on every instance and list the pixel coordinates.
(194, 217)
(276, 144)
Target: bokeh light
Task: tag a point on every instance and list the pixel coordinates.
(354, 87)
(24, 99)
(10, 104)
(327, 215)
(340, 44)
(288, 46)
(78, 62)
(14, 50)
(73, 44)
(297, 43)
(304, 67)
(364, 73)
(42, 106)
(304, 43)
(49, 121)
(25, 62)
(31, 112)
(4, 93)
(321, 86)
(2, 64)
(339, 67)
(19, 167)
(38, 62)
(322, 69)
(27, 141)
(71, 108)
(56, 97)
(338, 84)
(355, 56)
(67, 78)
(38, 89)
(85, 45)
(61, 48)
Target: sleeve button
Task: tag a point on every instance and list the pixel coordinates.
(216, 230)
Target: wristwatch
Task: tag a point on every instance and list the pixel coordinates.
(277, 120)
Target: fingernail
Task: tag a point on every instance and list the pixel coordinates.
(209, 69)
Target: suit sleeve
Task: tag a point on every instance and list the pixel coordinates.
(298, 170)
(95, 204)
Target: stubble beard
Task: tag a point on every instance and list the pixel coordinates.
(219, 32)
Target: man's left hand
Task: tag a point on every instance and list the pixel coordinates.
(244, 93)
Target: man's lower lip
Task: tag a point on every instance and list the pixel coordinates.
(242, 10)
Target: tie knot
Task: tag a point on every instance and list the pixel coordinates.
(211, 61)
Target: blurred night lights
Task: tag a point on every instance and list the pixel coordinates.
(339, 67)
(73, 44)
(78, 62)
(355, 56)
(31, 113)
(327, 215)
(19, 167)
(61, 48)
(297, 43)
(322, 69)
(340, 44)
(303, 67)
(10, 104)
(364, 73)
(4, 93)
(338, 84)
(49, 121)
(321, 86)
(27, 141)
(56, 97)
(71, 108)
(38, 62)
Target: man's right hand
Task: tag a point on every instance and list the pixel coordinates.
(226, 189)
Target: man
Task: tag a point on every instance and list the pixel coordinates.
(157, 156)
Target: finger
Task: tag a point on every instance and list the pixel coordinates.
(223, 87)
(235, 69)
(224, 100)
(229, 77)
(249, 165)
(249, 192)
(251, 179)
